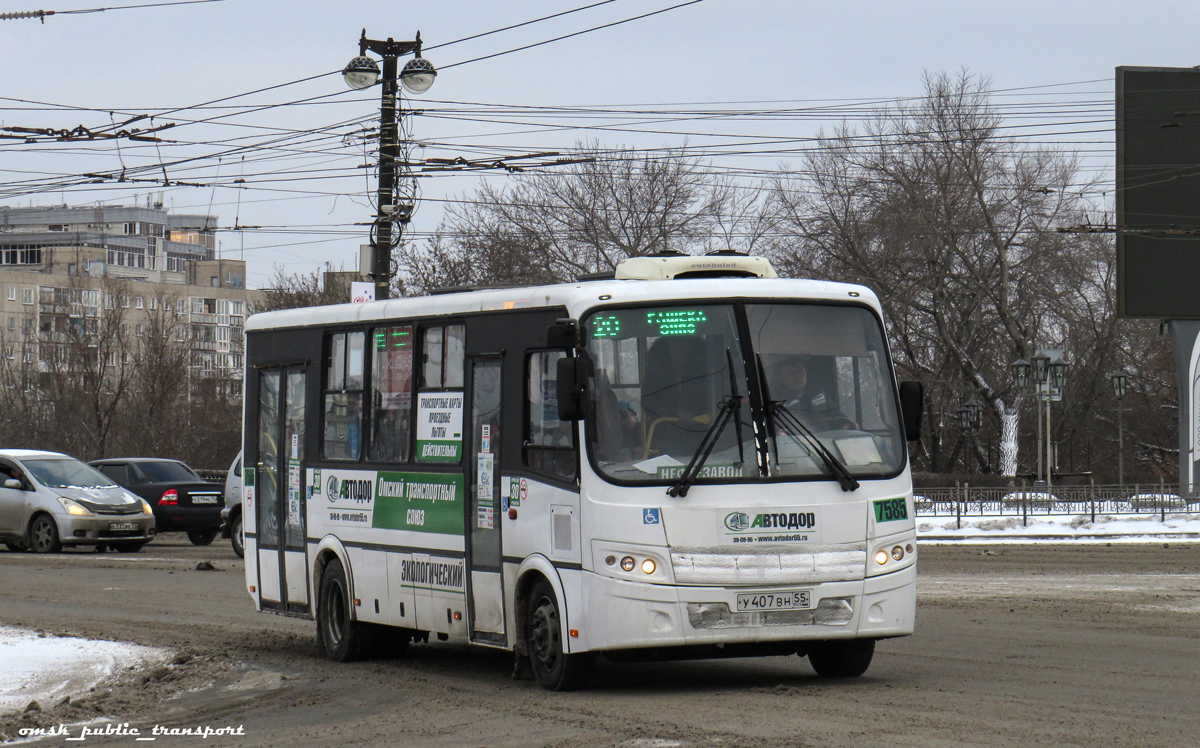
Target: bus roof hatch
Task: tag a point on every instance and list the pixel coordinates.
(694, 266)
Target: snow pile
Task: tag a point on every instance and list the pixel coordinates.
(1147, 527)
(42, 668)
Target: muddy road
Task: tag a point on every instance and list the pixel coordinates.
(1015, 646)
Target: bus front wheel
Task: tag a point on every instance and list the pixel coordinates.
(554, 669)
(841, 658)
(341, 637)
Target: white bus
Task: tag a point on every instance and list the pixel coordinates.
(693, 458)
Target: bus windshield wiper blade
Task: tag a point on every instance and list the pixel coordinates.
(797, 428)
(728, 406)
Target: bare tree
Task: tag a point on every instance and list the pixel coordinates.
(955, 225)
(290, 291)
(551, 227)
(84, 371)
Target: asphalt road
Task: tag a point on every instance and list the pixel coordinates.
(1084, 645)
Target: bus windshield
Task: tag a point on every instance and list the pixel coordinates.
(662, 375)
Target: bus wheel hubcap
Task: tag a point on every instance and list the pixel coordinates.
(544, 633)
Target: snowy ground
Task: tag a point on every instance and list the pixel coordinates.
(1128, 528)
(44, 668)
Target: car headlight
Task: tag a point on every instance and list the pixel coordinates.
(74, 508)
(146, 507)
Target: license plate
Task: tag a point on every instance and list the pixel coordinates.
(786, 600)
(119, 526)
(204, 499)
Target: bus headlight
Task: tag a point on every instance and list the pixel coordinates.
(649, 566)
(881, 557)
(898, 553)
(627, 563)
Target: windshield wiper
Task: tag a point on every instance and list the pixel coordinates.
(777, 412)
(730, 404)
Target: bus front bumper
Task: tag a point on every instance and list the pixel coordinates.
(629, 615)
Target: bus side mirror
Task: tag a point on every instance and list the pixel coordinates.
(912, 402)
(564, 333)
(570, 389)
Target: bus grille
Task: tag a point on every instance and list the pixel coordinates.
(719, 566)
(832, 611)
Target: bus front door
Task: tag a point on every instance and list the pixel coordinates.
(486, 604)
(280, 521)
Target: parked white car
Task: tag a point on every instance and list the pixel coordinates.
(49, 500)
(231, 515)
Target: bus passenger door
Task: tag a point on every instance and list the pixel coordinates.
(281, 507)
(486, 596)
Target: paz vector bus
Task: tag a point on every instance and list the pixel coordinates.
(689, 458)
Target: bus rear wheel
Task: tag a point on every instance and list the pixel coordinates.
(841, 658)
(342, 638)
(554, 669)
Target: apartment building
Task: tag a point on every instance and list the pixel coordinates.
(76, 269)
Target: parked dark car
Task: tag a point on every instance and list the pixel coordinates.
(182, 501)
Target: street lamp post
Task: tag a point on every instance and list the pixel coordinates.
(970, 418)
(1040, 364)
(1120, 381)
(416, 77)
(1049, 374)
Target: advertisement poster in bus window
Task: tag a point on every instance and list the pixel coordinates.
(485, 518)
(294, 488)
(439, 426)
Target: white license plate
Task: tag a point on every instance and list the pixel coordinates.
(785, 600)
(119, 526)
(203, 499)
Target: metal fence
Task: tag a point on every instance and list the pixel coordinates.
(1086, 501)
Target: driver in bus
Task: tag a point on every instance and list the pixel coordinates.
(808, 402)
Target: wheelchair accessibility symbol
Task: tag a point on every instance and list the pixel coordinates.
(650, 517)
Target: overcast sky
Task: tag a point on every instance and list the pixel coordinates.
(778, 54)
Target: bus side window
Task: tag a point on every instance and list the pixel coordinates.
(391, 394)
(442, 357)
(549, 442)
(343, 410)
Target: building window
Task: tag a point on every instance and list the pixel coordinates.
(344, 396)
(26, 295)
(138, 330)
(57, 227)
(140, 304)
(12, 293)
(153, 303)
(214, 281)
(91, 297)
(12, 324)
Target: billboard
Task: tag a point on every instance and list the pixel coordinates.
(1158, 192)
